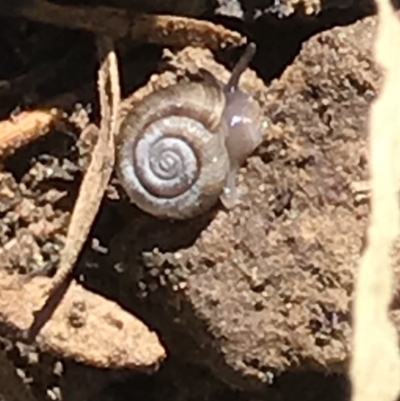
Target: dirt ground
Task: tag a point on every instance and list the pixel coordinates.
(250, 303)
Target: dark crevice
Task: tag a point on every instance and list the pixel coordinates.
(279, 41)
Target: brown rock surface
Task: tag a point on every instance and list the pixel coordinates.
(266, 288)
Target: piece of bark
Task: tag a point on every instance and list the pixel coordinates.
(85, 326)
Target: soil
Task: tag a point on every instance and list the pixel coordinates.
(250, 303)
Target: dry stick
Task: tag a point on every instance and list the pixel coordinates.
(25, 127)
(375, 365)
(30, 125)
(101, 166)
(117, 23)
(109, 102)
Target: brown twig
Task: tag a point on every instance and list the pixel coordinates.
(29, 125)
(24, 128)
(101, 166)
(117, 23)
(181, 31)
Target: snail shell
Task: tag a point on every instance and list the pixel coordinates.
(177, 152)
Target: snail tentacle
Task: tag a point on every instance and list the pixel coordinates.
(243, 118)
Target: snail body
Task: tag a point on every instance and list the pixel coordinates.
(177, 152)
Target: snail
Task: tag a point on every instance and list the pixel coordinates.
(178, 151)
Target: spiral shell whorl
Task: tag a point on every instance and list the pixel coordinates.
(171, 155)
(167, 165)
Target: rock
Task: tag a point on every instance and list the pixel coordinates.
(266, 288)
(85, 326)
